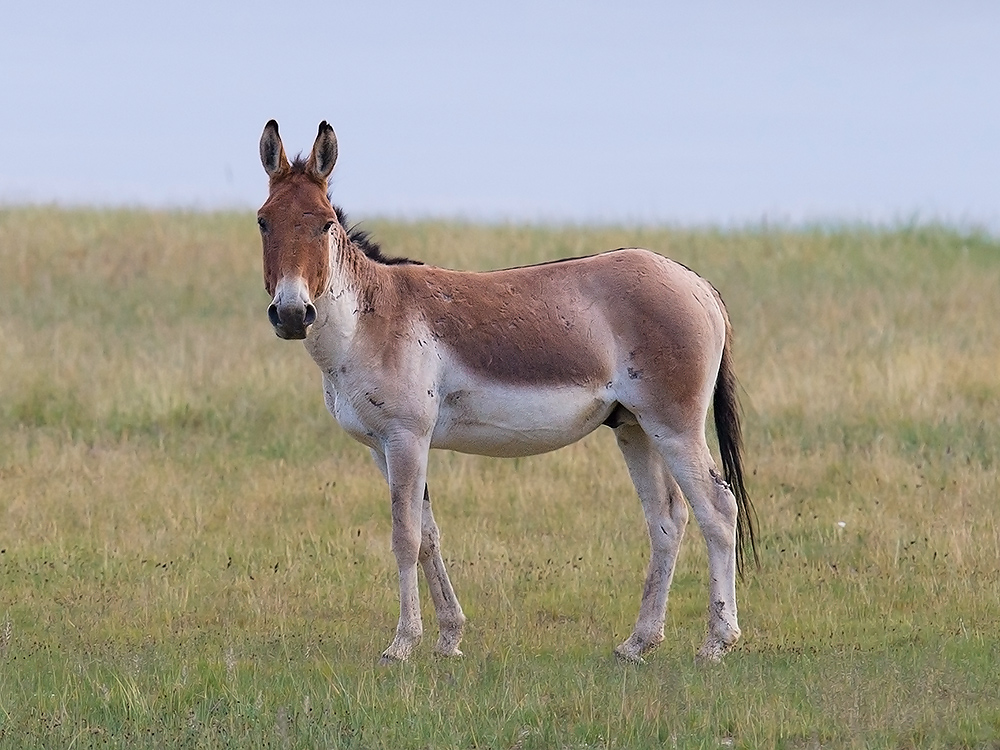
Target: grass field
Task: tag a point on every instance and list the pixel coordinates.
(192, 554)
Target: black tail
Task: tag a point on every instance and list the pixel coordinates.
(730, 433)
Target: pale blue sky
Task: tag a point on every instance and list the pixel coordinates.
(718, 112)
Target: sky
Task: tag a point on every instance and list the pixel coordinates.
(715, 113)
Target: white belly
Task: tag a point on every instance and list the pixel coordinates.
(506, 420)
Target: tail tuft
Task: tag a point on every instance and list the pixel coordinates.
(730, 433)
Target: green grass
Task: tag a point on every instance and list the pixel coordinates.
(192, 554)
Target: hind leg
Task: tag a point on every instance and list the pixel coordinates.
(666, 517)
(714, 507)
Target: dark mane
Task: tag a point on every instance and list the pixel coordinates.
(362, 240)
(298, 166)
(358, 236)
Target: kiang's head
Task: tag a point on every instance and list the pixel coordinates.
(296, 222)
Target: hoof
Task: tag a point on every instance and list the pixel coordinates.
(387, 661)
(447, 648)
(399, 650)
(723, 633)
(713, 650)
(633, 649)
(447, 643)
(625, 657)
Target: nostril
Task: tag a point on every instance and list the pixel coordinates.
(272, 315)
(310, 316)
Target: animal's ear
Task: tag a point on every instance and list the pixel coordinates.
(324, 153)
(272, 153)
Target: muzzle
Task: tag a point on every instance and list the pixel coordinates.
(291, 312)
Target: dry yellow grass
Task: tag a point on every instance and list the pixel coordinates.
(194, 555)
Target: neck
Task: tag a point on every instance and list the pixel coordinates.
(350, 291)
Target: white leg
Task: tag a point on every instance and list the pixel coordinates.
(406, 471)
(666, 518)
(714, 507)
(451, 619)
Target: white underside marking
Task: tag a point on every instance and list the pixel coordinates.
(496, 419)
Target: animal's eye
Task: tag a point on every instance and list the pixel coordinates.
(328, 226)
(262, 223)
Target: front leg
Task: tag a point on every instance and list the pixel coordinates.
(406, 472)
(451, 619)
